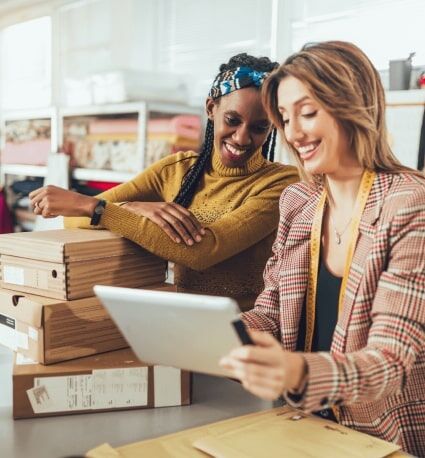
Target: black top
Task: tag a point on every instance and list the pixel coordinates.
(328, 287)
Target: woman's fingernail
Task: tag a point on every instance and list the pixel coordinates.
(190, 242)
(203, 231)
(198, 238)
(178, 240)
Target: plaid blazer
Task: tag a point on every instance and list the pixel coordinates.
(375, 369)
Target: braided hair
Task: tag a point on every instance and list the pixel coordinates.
(194, 174)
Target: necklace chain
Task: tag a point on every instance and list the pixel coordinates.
(338, 235)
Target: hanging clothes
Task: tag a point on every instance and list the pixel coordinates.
(6, 223)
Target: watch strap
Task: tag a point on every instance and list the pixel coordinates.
(98, 212)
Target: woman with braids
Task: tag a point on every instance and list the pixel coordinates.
(340, 325)
(214, 213)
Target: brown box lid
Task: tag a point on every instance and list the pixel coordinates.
(66, 245)
(109, 360)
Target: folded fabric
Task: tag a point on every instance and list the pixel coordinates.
(109, 137)
(101, 185)
(114, 126)
(174, 139)
(24, 187)
(188, 126)
(34, 152)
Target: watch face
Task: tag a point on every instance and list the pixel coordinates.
(100, 208)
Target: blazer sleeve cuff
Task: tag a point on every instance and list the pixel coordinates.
(323, 389)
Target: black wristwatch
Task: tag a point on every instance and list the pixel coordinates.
(98, 212)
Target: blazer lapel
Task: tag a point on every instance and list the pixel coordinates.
(293, 276)
(362, 254)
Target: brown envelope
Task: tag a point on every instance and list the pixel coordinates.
(269, 433)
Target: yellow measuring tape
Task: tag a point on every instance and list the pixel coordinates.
(315, 243)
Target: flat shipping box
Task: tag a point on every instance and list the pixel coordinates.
(65, 264)
(111, 381)
(49, 330)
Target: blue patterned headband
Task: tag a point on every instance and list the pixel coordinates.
(232, 80)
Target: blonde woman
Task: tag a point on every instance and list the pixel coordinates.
(340, 326)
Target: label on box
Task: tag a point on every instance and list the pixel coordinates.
(113, 388)
(167, 383)
(40, 399)
(103, 389)
(61, 394)
(14, 275)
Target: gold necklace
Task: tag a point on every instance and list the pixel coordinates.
(338, 235)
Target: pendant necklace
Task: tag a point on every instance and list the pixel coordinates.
(338, 235)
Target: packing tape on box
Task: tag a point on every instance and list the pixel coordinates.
(103, 389)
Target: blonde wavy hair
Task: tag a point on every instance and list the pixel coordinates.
(344, 81)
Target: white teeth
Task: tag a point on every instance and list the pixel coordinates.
(307, 148)
(235, 151)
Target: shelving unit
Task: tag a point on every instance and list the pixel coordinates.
(142, 111)
(404, 115)
(59, 116)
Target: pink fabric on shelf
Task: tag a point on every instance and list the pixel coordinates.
(113, 126)
(188, 126)
(34, 152)
(6, 224)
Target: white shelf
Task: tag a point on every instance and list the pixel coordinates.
(37, 113)
(102, 175)
(19, 169)
(408, 97)
(78, 173)
(94, 110)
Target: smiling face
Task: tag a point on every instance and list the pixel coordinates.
(320, 141)
(241, 125)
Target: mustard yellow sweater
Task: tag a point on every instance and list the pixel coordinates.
(237, 206)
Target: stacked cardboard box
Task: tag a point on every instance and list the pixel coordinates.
(49, 316)
(115, 380)
(66, 264)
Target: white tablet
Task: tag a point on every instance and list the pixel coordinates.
(187, 331)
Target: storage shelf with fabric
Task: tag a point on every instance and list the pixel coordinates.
(113, 142)
(108, 144)
(28, 137)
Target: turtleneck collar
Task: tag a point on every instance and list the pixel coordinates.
(255, 162)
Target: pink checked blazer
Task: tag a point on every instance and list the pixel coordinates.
(375, 369)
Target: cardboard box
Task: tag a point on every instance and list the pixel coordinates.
(65, 264)
(112, 381)
(49, 331)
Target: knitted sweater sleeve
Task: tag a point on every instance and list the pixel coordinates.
(147, 186)
(236, 231)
